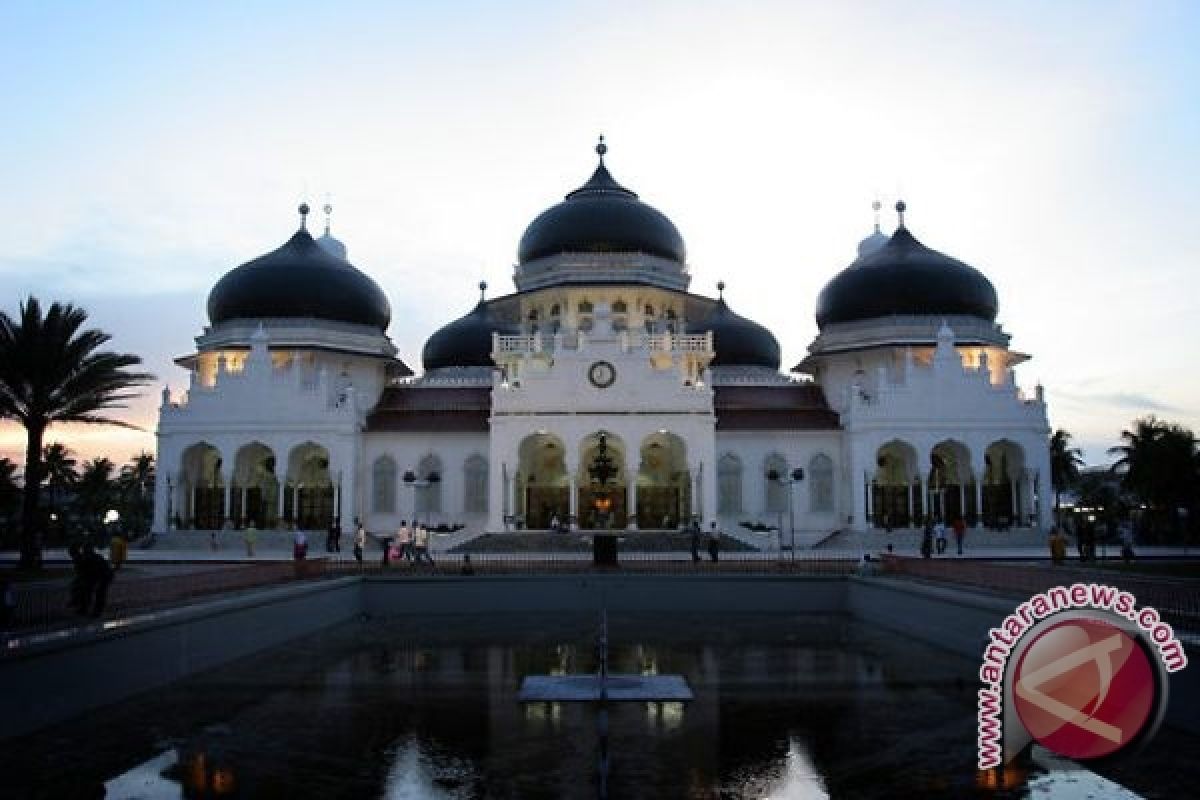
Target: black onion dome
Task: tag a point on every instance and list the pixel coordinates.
(602, 216)
(905, 277)
(738, 341)
(466, 342)
(300, 279)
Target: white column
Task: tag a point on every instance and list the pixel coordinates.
(868, 494)
(228, 510)
(694, 495)
(498, 477)
(573, 494)
(161, 493)
(279, 501)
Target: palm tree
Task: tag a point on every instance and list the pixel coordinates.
(59, 472)
(10, 494)
(136, 487)
(52, 370)
(96, 491)
(1065, 462)
(1157, 463)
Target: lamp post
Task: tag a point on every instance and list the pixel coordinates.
(796, 476)
(411, 480)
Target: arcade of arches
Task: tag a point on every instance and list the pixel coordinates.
(605, 483)
(906, 488)
(211, 496)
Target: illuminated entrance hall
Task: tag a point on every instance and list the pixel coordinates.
(604, 393)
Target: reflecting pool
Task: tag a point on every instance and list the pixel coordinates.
(785, 707)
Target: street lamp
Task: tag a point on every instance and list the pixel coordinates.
(797, 475)
(411, 480)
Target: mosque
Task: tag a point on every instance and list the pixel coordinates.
(603, 394)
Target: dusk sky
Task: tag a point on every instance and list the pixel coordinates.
(149, 148)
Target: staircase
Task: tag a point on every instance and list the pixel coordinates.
(908, 540)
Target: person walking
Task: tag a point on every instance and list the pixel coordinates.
(421, 545)
(1127, 541)
(118, 550)
(939, 534)
(98, 575)
(385, 542)
(960, 531)
(404, 541)
(714, 543)
(927, 539)
(696, 535)
(250, 537)
(360, 543)
(1058, 545)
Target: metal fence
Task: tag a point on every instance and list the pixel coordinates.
(1177, 600)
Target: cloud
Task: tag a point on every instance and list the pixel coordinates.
(1125, 400)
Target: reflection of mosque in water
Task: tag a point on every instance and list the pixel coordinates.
(602, 393)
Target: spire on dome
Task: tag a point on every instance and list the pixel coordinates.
(326, 240)
(329, 213)
(901, 207)
(303, 209)
(482, 290)
(601, 149)
(877, 239)
(876, 206)
(720, 290)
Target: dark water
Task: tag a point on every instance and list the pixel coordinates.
(785, 707)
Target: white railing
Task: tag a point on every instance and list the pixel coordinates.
(674, 342)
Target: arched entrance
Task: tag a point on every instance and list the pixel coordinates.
(204, 488)
(255, 497)
(1002, 507)
(895, 489)
(951, 484)
(308, 502)
(602, 482)
(663, 482)
(544, 487)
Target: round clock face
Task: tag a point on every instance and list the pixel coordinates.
(602, 374)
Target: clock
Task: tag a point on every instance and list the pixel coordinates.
(602, 374)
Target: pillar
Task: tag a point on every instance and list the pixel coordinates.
(978, 503)
(573, 498)
(279, 502)
(631, 475)
(868, 502)
(227, 511)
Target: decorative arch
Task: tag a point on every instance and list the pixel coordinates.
(1004, 497)
(820, 483)
(775, 491)
(951, 484)
(895, 487)
(255, 497)
(383, 485)
(309, 502)
(729, 484)
(475, 484)
(203, 487)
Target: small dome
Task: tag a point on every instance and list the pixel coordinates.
(300, 279)
(466, 342)
(872, 244)
(331, 245)
(601, 217)
(738, 341)
(907, 278)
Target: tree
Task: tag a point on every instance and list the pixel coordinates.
(136, 488)
(10, 495)
(1158, 464)
(59, 473)
(1065, 462)
(96, 491)
(53, 370)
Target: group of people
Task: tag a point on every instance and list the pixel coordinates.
(934, 536)
(1085, 542)
(408, 544)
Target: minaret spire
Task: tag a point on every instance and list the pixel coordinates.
(303, 209)
(876, 206)
(329, 213)
(601, 149)
(901, 207)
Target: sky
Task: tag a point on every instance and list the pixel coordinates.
(148, 148)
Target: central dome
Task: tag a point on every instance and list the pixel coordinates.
(601, 217)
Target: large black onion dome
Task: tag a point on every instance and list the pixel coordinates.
(601, 217)
(466, 342)
(906, 277)
(300, 279)
(737, 341)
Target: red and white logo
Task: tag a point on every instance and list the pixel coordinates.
(1084, 688)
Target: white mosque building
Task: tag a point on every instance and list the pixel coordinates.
(602, 393)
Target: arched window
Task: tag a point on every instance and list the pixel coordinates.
(383, 485)
(820, 483)
(475, 488)
(729, 484)
(533, 315)
(585, 307)
(429, 492)
(777, 493)
(554, 310)
(649, 310)
(619, 307)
